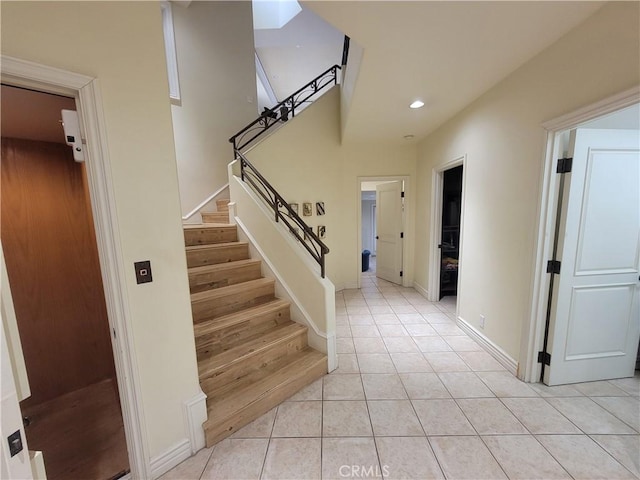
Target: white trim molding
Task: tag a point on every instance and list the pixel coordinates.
(195, 414)
(533, 328)
(205, 201)
(492, 349)
(170, 52)
(175, 455)
(421, 290)
(86, 90)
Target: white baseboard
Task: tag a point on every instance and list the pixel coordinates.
(421, 290)
(164, 462)
(492, 349)
(195, 414)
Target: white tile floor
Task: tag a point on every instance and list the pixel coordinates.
(416, 398)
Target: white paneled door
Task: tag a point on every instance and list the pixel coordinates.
(595, 318)
(389, 231)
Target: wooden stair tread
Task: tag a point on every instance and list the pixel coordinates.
(192, 248)
(220, 407)
(249, 347)
(231, 319)
(222, 266)
(207, 226)
(230, 290)
(209, 233)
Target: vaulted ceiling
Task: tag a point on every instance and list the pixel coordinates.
(446, 53)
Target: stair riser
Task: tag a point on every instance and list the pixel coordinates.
(222, 278)
(205, 236)
(223, 305)
(219, 430)
(215, 217)
(215, 382)
(218, 339)
(222, 205)
(217, 255)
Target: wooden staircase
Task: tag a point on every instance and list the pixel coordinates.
(251, 355)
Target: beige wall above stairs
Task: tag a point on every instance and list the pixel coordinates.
(251, 355)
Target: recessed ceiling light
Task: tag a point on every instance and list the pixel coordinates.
(417, 104)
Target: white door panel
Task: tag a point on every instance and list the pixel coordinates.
(388, 230)
(611, 186)
(602, 309)
(595, 322)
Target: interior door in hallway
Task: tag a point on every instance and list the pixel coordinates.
(389, 222)
(595, 317)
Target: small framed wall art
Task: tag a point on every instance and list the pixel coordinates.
(307, 210)
(319, 208)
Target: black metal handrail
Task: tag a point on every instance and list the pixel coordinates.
(283, 212)
(249, 174)
(283, 110)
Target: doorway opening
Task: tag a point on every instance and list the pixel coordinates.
(73, 414)
(381, 225)
(368, 228)
(447, 226)
(585, 313)
(450, 232)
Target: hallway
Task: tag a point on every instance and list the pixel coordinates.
(414, 397)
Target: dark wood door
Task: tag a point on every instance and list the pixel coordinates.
(52, 262)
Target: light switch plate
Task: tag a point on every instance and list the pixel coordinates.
(15, 443)
(143, 271)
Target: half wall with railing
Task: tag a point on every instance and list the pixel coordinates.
(246, 138)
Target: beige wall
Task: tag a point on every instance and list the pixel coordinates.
(121, 44)
(306, 162)
(216, 66)
(501, 135)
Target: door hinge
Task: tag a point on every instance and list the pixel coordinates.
(114, 333)
(553, 266)
(401, 234)
(564, 165)
(544, 357)
(400, 272)
(401, 194)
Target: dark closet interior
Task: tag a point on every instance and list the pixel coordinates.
(73, 414)
(450, 235)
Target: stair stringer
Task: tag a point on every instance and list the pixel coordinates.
(321, 339)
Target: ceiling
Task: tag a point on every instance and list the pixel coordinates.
(33, 115)
(444, 53)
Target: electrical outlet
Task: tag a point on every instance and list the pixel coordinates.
(482, 321)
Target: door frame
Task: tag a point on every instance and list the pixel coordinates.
(374, 228)
(407, 277)
(86, 91)
(533, 327)
(437, 191)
